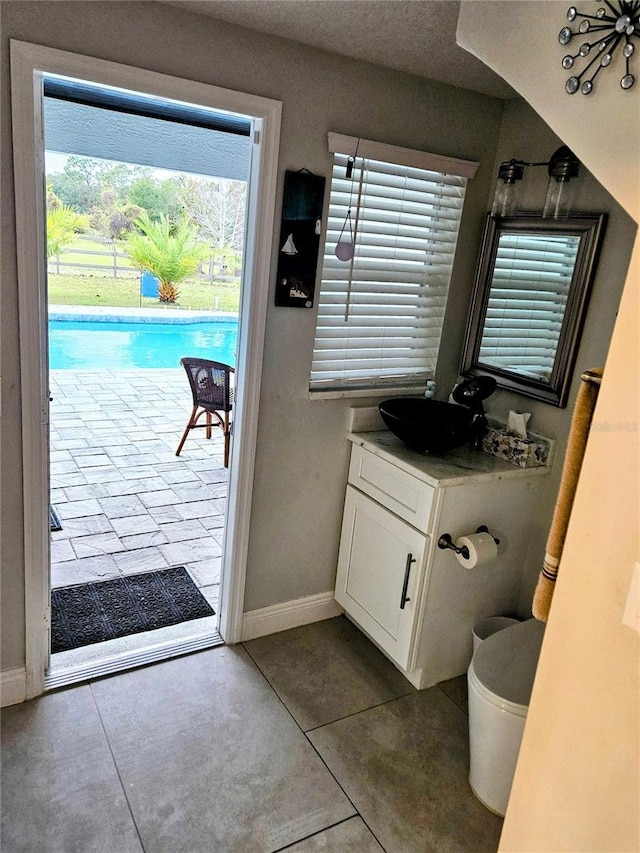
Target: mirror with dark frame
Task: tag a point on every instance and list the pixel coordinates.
(530, 297)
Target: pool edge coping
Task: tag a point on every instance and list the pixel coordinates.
(168, 316)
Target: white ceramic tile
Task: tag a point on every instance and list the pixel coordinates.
(93, 546)
(88, 570)
(71, 444)
(61, 551)
(83, 527)
(81, 493)
(66, 467)
(107, 474)
(164, 514)
(141, 560)
(202, 510)
(180, 531)
(189, 492)
(206, 572)
(212, 594)
(95, 461)
(143, 540)
(122, 505)
(178, 475)
(139, 472)
(59, 480)
(134, 460)
(163, 497)
(133, 525)
(179, 553)
(78, 509)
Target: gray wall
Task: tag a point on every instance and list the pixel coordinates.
(302, 454)
(525, 136)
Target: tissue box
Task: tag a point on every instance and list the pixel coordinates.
(524, 452)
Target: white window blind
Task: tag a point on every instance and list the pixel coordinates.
(527, 302)
(380, 315)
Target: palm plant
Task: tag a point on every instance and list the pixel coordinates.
(171, 252)
(63, 223)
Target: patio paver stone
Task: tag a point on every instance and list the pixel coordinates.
(126, 502)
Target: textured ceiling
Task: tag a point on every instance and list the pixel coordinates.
(416, 36)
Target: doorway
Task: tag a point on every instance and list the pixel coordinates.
(29, 64)
(145, 225)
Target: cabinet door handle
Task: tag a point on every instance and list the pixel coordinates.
(407, 571)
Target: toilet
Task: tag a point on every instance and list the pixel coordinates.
(500, 680)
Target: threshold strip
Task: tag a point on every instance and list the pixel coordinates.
(63, 676)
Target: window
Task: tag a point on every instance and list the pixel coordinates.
(380, 313)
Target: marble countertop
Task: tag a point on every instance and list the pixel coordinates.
(448, 469)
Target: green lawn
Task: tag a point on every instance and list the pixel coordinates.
(69, 255)
(125, 293)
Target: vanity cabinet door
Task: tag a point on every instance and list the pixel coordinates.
(380, 569)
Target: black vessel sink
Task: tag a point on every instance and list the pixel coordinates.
(428, 425)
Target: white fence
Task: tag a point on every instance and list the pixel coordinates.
(117, 263)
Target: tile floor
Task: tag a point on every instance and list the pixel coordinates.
(127, 503)
(306, 741)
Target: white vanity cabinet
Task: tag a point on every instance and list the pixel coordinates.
(414, 600)
(380, 572)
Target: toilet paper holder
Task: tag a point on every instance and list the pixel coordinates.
(446, 541)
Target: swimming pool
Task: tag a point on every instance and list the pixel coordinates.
(120, 345)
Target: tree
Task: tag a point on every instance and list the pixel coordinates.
(63, 223)
(80, 183)
(158, 198)
(170, 252)
(112, 218)
(218, 206)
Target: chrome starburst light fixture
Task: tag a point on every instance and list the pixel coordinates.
(614, 25)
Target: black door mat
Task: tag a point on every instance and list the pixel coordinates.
(94, 612)
(54, 520)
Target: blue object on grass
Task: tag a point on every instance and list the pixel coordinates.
(149, 284)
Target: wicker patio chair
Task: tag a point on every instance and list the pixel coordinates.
(212, 394)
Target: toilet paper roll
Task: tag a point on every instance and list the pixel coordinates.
(482, 549)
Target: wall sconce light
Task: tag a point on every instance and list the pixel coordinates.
(562, 166)
(505, 200)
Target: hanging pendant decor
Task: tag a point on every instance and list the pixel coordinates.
(609, 33)
(299, 238)
(344, 246)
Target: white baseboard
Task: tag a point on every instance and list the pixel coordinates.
(13, 686)
(289, 614)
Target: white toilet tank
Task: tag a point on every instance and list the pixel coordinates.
(500, 680)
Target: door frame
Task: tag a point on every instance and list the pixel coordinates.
(28, 63)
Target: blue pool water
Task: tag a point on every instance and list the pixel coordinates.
(120, 345)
